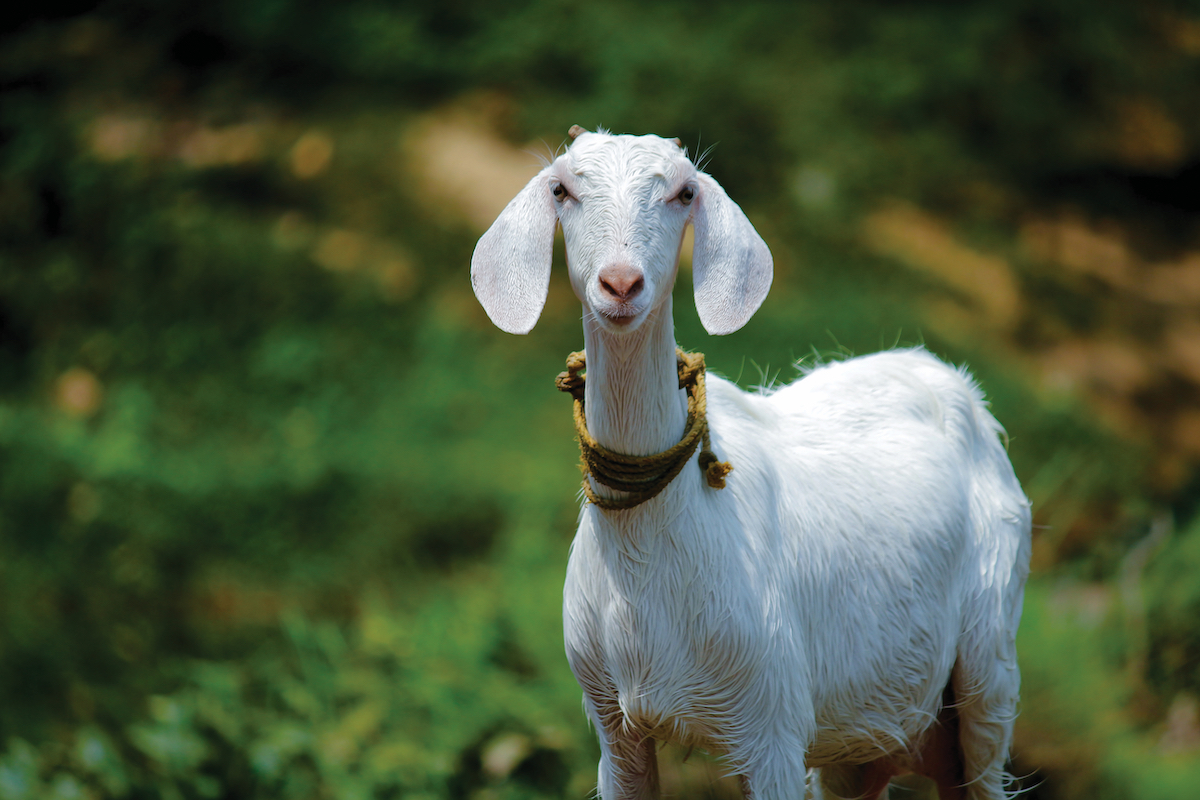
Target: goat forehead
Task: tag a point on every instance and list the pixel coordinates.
(626, 162)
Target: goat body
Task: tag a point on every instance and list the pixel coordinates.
(849, 602)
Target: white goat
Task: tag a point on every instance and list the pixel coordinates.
(849, 601)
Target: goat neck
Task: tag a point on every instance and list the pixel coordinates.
(633, 401)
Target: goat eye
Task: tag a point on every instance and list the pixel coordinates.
(686, 195)
(559, 192)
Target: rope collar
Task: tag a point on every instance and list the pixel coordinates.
(643, 477)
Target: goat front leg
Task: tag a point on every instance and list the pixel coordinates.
(777, 772)
(628, 759)
(629, 770)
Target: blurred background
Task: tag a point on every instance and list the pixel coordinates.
(283, 516)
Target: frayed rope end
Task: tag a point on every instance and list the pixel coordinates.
(714, 471)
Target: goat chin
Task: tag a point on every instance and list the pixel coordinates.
(849, 601)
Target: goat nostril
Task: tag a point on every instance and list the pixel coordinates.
(621, 282)
(622, 287)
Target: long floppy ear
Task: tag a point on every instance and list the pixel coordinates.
(510, 270)
(731, 265)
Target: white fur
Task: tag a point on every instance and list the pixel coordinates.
(871, 545)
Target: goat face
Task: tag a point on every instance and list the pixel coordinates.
(623, 203)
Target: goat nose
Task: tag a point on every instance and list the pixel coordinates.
(622, 282)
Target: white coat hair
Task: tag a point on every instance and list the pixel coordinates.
(846, 607)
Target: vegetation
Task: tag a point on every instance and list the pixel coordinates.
(282, 515)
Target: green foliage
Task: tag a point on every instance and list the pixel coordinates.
(1173, 607)
(461, 693)
(1075, 697)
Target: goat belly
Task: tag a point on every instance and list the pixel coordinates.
(883, 721)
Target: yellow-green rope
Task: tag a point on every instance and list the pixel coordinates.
(644, 477)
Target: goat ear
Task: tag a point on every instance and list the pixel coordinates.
(510, 269)
(731, 264)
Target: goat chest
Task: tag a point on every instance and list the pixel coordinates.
(654, 647)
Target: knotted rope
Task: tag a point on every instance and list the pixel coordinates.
(644, 477)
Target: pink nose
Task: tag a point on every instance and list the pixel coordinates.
(621, 282)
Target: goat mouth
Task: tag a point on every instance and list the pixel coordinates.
(619, 316)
